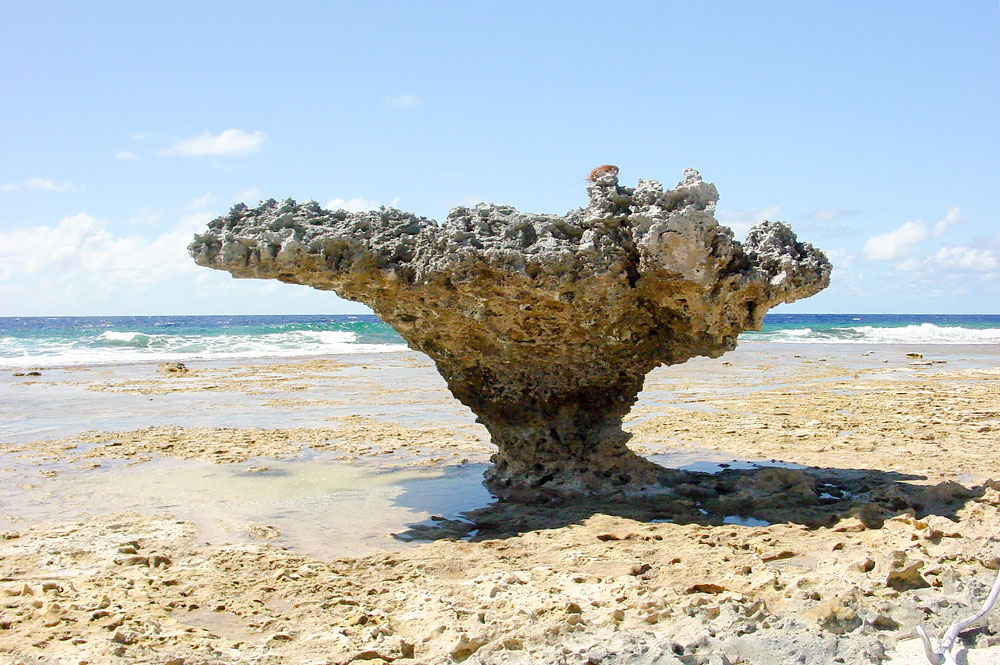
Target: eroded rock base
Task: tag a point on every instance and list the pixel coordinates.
(575, 453)
(621, 473)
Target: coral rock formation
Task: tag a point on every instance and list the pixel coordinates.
(543, 325)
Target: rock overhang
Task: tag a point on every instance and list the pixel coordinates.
(544, 325)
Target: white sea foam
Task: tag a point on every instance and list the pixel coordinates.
(325, 336)
(923, 333)
(124, 347)
(798, 332)
(136, 339)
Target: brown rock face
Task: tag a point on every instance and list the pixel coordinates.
(543, 325)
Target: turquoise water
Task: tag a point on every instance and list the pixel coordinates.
(878, 329)
(69, 341)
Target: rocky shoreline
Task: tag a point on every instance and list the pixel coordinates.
(877, 513)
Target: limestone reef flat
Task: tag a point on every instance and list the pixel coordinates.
(832, 498)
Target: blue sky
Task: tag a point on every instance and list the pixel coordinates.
(873, 128)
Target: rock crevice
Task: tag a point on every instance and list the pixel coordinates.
(543, 325)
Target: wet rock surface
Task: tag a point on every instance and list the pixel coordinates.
(544, 325)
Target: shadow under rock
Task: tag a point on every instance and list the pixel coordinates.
(814, 497)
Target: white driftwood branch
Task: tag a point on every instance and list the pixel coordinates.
(943, 655)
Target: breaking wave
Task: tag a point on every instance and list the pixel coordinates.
(85, 346)
(923, 333)
(69, 341)
(131, 339)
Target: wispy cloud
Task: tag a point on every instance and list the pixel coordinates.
(915, 261)
(982, 258)
(232, 142)
(968, 259)
(952, 217)
(403, 101)
(126, 154)
(40, 185)
(899, 243)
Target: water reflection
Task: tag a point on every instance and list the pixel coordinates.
(310, 504)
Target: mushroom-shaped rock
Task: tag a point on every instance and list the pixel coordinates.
(543, 325)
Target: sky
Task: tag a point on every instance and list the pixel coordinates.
(873, 128)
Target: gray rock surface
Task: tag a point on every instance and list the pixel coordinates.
(544, 325)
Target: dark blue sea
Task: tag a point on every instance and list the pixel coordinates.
(68, 341)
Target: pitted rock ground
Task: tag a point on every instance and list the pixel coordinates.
(574, 588)
(897, 526)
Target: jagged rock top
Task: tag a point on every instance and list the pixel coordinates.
(671, 234)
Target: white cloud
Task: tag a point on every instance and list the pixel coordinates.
(952, 217)
(895, 244)
(126, 154)
(357, 204)
(740, 221)
(952, 264)
(898, 243)
(83, 250)
(85, 265)
(968, 259)
(403, 101)
(40, 185)
(234, 142)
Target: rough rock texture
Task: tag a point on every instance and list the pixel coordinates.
(544, 325)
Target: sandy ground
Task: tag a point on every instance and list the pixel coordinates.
(834, 498)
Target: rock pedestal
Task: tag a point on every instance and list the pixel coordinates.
(543, 325)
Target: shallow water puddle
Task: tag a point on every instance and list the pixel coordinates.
(702, 460)
(741, 520)
(311, 504)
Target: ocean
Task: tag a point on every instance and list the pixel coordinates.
(111, 340)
